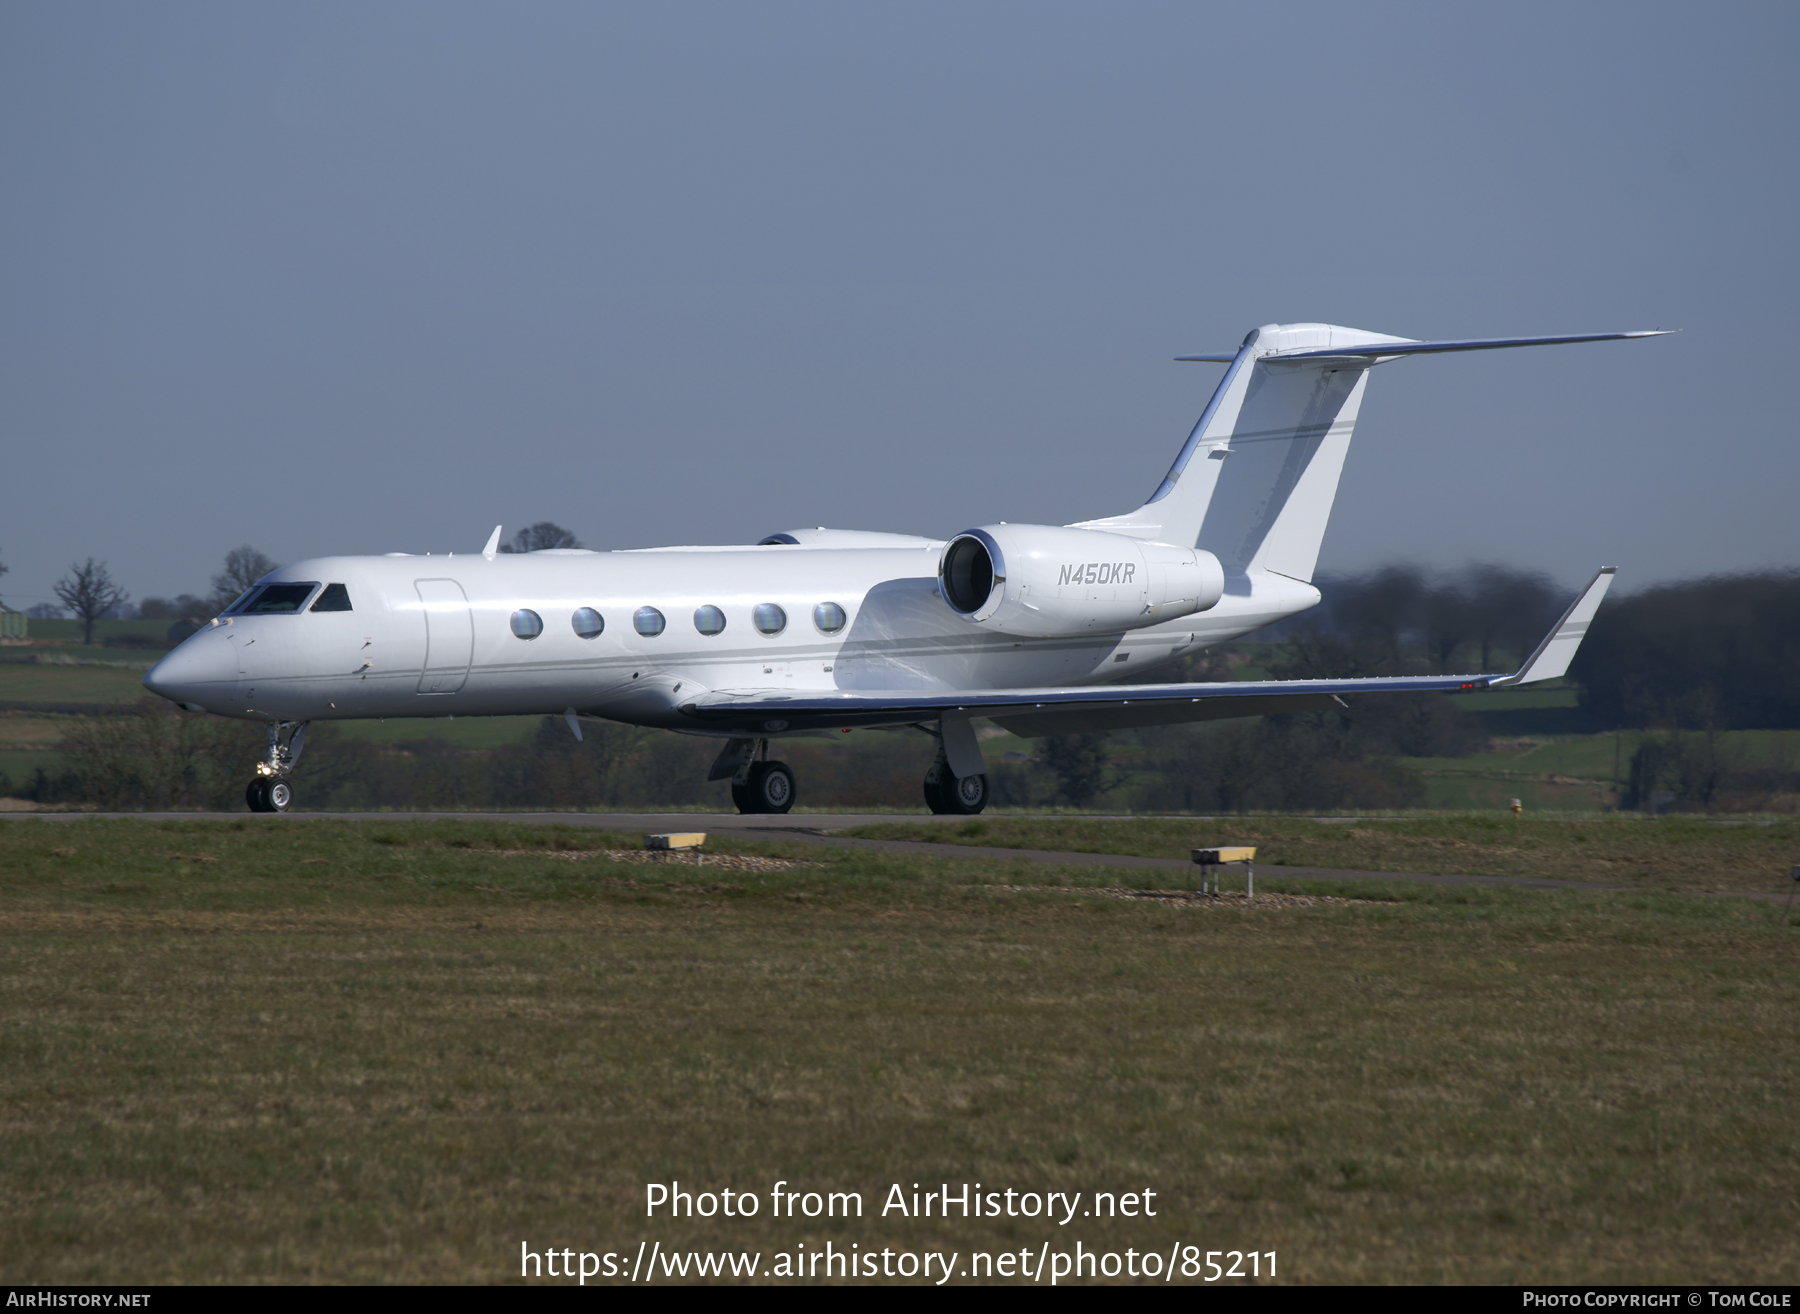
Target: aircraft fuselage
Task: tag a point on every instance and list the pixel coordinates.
(431, 635)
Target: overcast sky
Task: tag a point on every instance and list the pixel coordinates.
(367, 277)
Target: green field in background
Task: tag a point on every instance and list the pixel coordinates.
(30, 682)
(1531, 729)
(1490, 780)
(460, 732)
(70, 631)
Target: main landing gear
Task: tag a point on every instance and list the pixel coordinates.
(269, 791)
(757, 785)
(767, 787)
(947, 792)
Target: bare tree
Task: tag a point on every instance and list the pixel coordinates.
(243, 567)
(544, 534)
(88, 591)
(4, 567)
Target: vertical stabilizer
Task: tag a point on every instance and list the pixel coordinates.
(1255, 480)
(1270, 502)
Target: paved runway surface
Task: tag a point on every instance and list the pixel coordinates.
(818, 828)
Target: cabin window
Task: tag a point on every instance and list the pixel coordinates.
(829, 617)
(335, 598)
(278, 599)
(769, 618)
(709, 620)
(527, 624)
(649, 622)
(587, 622)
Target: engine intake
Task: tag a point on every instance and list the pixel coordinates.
(1037, 581)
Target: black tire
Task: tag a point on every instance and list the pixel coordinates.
(256, 794)
(280, 795)
(934, 796)
(967, 795)
(740, 797)
(948, 795)
(770, 788)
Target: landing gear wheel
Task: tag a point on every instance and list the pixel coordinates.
(265, 795)
(934, 796)
(956, 795)
(969, 795)
(769, 788)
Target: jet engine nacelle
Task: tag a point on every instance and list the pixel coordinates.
(1038, 581)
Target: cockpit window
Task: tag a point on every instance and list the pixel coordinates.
(276, 599)
(335, 598)
(240, 600)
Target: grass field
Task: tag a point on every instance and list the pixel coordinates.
(1674, 853)
(101, 681)
(311, 1050)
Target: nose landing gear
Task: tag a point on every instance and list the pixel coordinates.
(270, 791)
(267, 795)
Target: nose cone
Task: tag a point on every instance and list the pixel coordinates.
(201, 674)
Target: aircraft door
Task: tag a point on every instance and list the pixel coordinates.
(449, 635)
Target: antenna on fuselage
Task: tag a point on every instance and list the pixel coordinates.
(493, 544)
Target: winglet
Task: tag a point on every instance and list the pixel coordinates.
(493, 545)
(1554, 654)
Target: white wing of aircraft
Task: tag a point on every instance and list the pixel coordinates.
(811, 631)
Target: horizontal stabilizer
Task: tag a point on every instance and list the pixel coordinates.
(1387, 349)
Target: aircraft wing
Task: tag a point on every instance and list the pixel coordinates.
(1031, 713)
(1034, 712)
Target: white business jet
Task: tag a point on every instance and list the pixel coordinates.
(819, 630)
